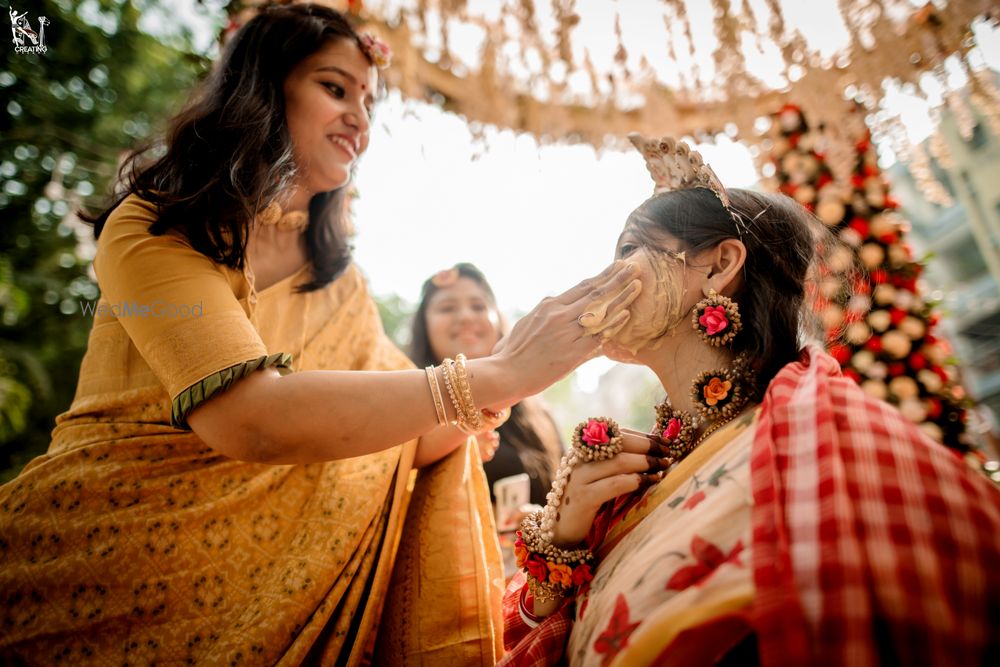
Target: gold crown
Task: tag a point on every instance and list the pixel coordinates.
(674, 166)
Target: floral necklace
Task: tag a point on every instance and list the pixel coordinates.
(718, 396)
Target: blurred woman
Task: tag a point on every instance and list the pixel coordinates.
(458, 314)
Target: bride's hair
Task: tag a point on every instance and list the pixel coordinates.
(781, 238)
(228, 153)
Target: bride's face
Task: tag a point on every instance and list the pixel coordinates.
(661, 307)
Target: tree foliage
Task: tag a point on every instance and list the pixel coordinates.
(67, 115)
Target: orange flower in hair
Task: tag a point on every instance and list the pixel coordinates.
(717, 390)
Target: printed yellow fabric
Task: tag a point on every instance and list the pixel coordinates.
(435, 563)
(131, 541)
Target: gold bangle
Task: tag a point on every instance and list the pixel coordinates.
(543, 591)
(473, 416)
(446, 373)
(432, 381)
(465, 415)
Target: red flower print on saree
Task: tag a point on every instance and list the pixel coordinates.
(615, 636)
(709, 557)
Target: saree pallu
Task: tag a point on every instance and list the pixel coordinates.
(850, 539)
(131, 542)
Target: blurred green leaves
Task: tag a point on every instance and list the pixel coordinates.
(67, 117)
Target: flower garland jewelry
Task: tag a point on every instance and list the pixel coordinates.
(552, 571)
(377, 51)
(719, 396)
(676, 429)
(597, 439)
(716, 318)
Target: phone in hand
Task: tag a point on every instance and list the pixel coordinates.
(511, 493)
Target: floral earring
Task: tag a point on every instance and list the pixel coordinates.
(716, 318)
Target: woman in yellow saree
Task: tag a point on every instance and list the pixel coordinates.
(201, 503)
(777, 515)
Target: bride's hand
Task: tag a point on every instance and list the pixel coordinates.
(639, 464)
(549, 342)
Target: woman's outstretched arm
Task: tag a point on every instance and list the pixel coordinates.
(313, 416)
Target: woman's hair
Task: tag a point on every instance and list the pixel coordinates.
(539, 455)
(781, 238)
(228, 154)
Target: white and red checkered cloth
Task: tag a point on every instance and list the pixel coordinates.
(872, 544)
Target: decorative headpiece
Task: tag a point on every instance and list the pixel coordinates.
(377, 51)
(674, 166)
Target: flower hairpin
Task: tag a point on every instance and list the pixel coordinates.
(445, 278)
(377, 51)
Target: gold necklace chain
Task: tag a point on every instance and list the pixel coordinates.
(715, 427)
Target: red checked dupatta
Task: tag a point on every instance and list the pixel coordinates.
(871, 544)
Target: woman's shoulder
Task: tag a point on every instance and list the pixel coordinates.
(132, 218)
(127, 243)
(352, 279)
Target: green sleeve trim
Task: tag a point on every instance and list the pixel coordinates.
(215, 383)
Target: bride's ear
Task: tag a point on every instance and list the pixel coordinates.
(727, 260)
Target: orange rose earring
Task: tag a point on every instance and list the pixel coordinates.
(716, 318)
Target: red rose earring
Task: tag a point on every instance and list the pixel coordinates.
(716, 318)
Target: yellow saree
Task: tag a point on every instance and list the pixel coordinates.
(132, 542)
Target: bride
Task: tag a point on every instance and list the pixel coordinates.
(777, 514)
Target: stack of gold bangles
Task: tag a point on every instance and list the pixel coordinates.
(469, 418)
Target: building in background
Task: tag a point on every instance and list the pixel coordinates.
(963, 239)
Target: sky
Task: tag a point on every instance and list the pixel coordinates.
(535, 219)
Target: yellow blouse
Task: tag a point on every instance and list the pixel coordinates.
(173, 316)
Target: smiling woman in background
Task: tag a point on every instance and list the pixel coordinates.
(458, 314)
